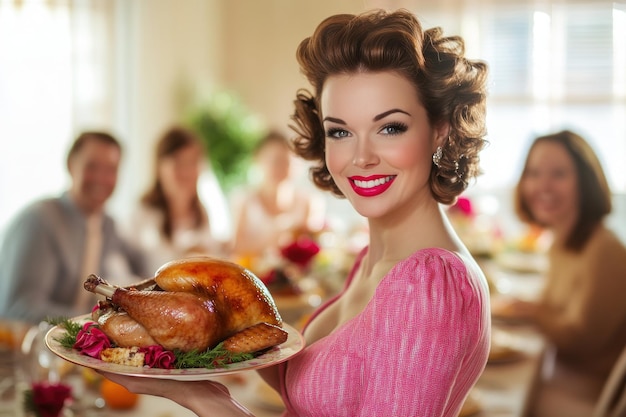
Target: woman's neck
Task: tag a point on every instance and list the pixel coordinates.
(561, 231)
(180, 211)
(427, 227)
(276, 198)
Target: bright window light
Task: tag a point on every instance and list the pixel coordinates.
(541, 56)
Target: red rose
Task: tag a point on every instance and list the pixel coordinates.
(301, 251)
(157, 357)
(90, 340)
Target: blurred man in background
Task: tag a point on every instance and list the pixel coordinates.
(52, 245)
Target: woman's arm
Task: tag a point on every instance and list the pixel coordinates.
(595, 311)
(205, 398)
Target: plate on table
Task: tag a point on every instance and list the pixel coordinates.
(504, 348)
(523, 262)
(510, 310)
(504, 354)
(275, 355)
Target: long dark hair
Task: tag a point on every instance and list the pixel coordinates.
(172, 141)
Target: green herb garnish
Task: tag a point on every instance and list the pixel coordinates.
(211, 358)
(71, 330)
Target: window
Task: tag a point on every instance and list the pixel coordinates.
(553, 65)
(54, 79)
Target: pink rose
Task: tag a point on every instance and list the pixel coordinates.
(48, 399)
(90, 340)
(157, 357)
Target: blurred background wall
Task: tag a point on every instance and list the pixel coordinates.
(135, 67)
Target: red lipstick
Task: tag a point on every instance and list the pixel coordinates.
(372, 185)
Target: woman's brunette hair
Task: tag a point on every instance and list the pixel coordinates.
(450, 87)
(173, 140)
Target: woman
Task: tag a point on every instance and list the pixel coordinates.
(581, 310)
(395, 125)
(274, 211)
(171, 221)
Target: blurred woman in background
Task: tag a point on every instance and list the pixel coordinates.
(581, 310)
(274, 211)
(171, 222)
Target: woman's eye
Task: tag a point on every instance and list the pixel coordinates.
(337, 133)
(394, 129)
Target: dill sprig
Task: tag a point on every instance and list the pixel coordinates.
(210, 358)
(71, 330)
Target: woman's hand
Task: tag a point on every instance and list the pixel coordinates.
(205, 398)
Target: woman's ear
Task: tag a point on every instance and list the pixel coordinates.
(442, 132)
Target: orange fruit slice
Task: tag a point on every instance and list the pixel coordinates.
(116, 396)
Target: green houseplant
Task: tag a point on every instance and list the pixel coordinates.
(229, 131)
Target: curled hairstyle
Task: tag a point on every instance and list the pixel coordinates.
(594, 194)
(173, 140)
(450, 87)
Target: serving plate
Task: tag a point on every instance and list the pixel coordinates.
(275, 355)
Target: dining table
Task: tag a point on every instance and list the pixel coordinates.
(504, 389)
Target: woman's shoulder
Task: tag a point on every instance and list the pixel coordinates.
(438, 260)
(143, 211)
(604, 240)
(439, 268)
(141, 217)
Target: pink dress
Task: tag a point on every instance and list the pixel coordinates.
(416, 349)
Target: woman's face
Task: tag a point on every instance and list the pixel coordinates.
(550, 185)
(275, 161)
(379, 142)
(179, 172)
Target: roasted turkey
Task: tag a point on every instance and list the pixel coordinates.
(191, 304)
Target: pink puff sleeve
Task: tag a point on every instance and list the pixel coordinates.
(416, 350)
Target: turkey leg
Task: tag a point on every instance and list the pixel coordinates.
(175, 320)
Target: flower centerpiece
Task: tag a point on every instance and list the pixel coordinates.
(476, 228)
(295, 259)
(45, 399)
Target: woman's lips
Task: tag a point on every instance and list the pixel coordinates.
(371, 186)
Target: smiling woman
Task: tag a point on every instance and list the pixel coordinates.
(580, 311)
(387, 95)
(362, 136)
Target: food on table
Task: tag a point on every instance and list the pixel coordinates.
(192, 305)
(123, 356)
(499, 353)
(116, 396)
(249, 340)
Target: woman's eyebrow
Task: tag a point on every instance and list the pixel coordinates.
(334, 120)
(375, 119)
(387, 113)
